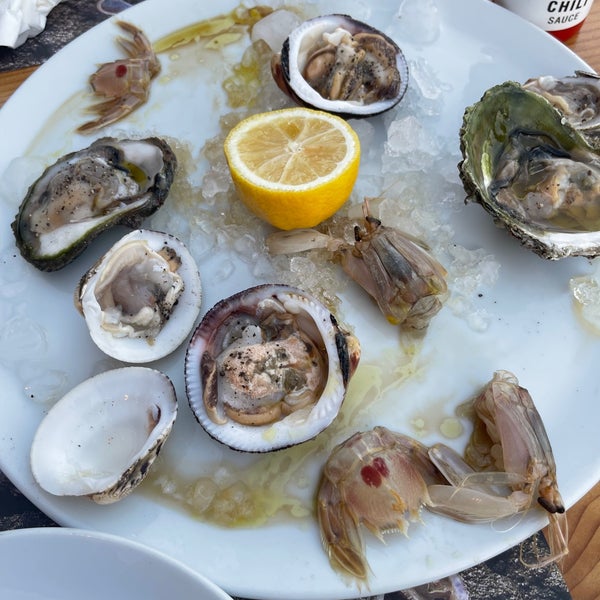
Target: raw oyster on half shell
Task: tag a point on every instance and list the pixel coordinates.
(340, 65)
(110, 182)
(268, 368)
(141, 299)
(101, 438)
(533, 170)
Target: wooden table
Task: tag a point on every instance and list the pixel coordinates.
(582, 567)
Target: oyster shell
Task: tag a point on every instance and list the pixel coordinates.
(141, 299)
(101, 438)
(85, 192)
(533, 171)
(268, 368)
(340, 65)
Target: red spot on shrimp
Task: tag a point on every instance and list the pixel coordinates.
(121, 70)
(374, 473)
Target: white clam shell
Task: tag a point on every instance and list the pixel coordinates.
(100, 439)
(174, 330)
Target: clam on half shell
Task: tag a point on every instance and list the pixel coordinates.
(343, 66)
(100, 439)
(531, 163)
(142, 298)
(267, 368)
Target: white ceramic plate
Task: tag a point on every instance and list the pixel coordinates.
(532, 329)
(70, 564)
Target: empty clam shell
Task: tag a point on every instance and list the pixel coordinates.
(100, 439)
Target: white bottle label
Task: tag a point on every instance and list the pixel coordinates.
(550, 15)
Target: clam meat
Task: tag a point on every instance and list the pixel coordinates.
(141, 299)
(533, 170)
(101, 438)
(85, 192)
(267, 368)
(340, 65)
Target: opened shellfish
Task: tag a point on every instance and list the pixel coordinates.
(109, 183)
(533, 170)
(141, 299)
(340, 65)
(577, 97)
(268, 368)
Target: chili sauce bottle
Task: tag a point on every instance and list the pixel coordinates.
(561, 18)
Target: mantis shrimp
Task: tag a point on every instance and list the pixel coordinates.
(395, 268)
(125, 83)
(381, 479)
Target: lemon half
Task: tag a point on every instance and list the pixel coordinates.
(293, 167)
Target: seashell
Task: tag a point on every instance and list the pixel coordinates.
(100, 439)
(268, 368)
(84, 193)
(142, 298)
(343, 66)
(534, 170)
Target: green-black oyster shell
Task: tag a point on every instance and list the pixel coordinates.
(532, 171)
(111, 182)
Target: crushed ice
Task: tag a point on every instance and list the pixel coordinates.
(407, 166)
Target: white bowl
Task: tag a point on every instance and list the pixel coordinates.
(52, 563)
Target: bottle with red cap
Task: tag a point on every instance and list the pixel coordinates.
(561, 18)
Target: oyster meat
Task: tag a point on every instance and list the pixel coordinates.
(141, 299)
(340, 65)
(577, 97)
(101, 438)
(533, 171)
(85, 192)
(268, 368)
